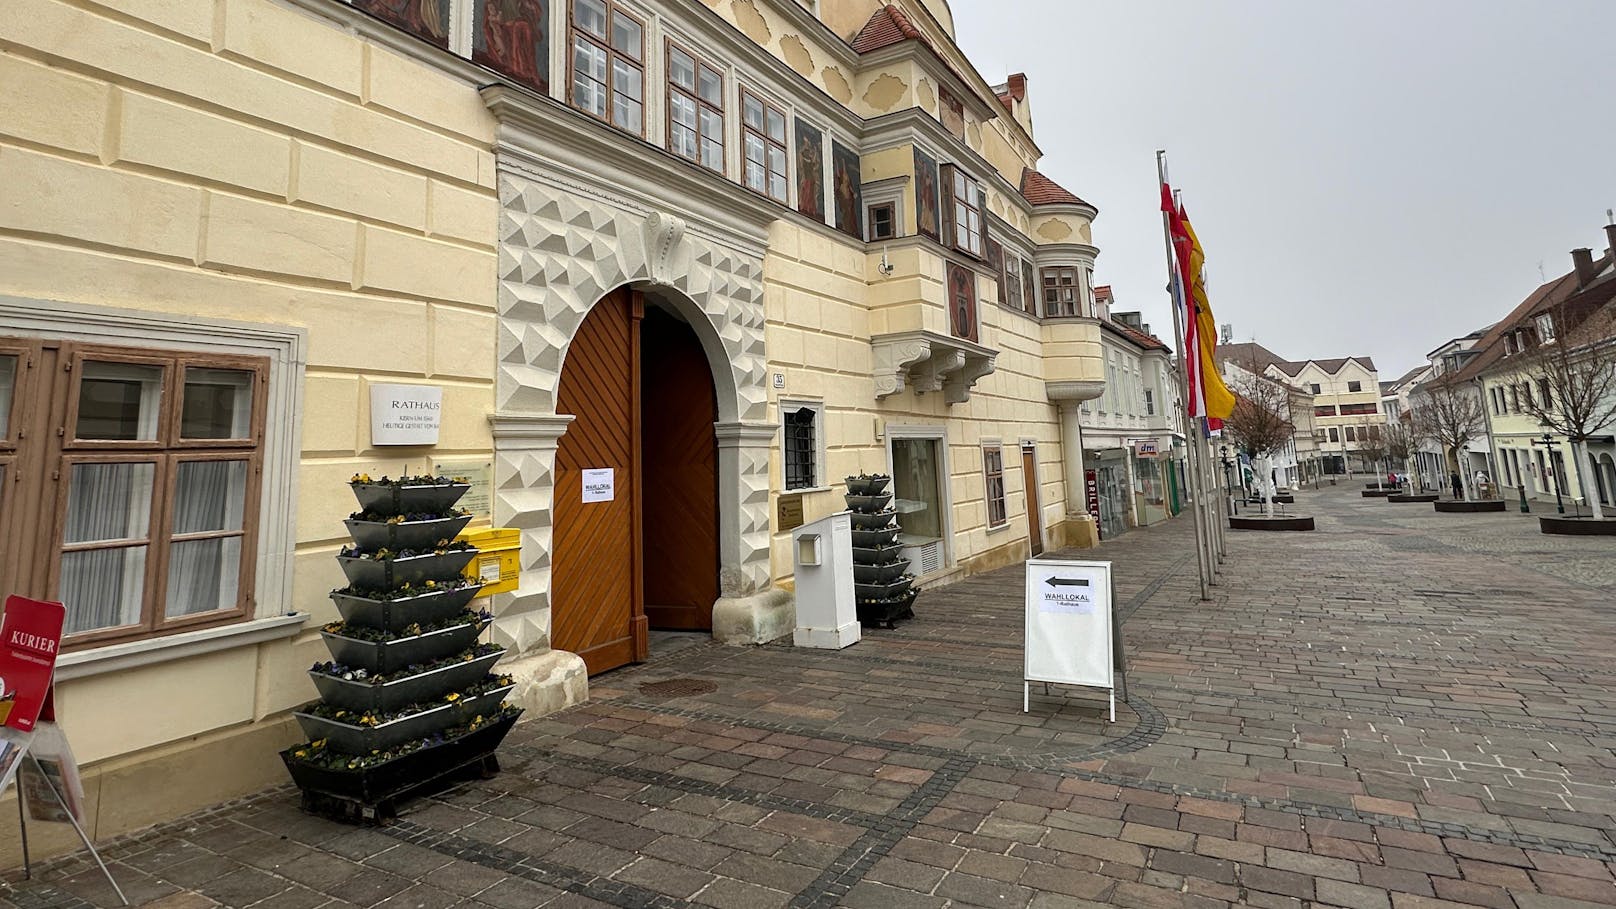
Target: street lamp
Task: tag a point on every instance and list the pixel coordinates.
(1550, 447)
(1228, 488)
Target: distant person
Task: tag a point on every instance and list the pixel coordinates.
(1482, 481)
(1458, 485)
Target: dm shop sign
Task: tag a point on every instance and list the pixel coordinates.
(405, 414)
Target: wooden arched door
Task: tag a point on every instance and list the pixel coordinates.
(597, 608)
(680, 458)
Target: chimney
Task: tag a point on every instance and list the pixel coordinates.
(1610, 237)
(1583, 261)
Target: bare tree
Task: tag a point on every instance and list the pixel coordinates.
(1571, 378)
(1452, 418)
(1261, 423)
(1372, 446)
(1403, 440)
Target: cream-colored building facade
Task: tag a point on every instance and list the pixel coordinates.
(296, 200)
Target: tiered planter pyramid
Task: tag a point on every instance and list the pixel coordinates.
(408, 697)
(882, 586)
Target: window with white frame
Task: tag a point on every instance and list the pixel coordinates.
(1335, 434)
(993, 478)
(1150, 402)
(802, 440)
(1545, 328)
(1013, 289)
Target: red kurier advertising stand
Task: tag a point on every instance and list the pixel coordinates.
(48, 785)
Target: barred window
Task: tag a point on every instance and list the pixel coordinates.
(801, 441)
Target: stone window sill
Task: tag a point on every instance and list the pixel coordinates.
(135, 654)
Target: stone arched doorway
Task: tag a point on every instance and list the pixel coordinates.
(635, 534)
(1607, 477)
(563, 250)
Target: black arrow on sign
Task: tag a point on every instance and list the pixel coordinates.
(1067, 582)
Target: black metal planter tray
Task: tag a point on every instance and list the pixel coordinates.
(879, 520)
(882, 555)
(416, 535)
(352, 739)
(892, 588)
(391, 656)
(391, 499)
(395, 615)
(386, 574)
(400, 693)
(887, 611)
(867, 486)
(871, 504)
(880, 574)
(874, 539)
(371, 790)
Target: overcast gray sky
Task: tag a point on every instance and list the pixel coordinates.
(1367, 177)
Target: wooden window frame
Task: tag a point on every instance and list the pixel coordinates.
(952, 178)
(694, 95)
(27, 354)
(50, 457)
(769, 142)
(574, 33)
(1054, 306)
(994, 495)
(1012, 286)
(891, 208)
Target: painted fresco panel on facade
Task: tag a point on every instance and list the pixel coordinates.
(849, 192)
(510, 36)
(427, 19)
(926, 194)
(810, 170)
(962, 300)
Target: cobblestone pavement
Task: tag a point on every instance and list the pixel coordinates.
(1402, 709)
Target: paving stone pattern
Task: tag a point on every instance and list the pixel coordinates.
(1400, 710)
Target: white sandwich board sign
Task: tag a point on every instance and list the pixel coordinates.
(1069, 627)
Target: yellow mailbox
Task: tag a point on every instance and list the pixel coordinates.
(497, 563)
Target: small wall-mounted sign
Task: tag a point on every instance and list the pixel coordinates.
(1145, 448)
(599, 484)
(779, 380)
(405, 414)
(479, 499)
(788, 512)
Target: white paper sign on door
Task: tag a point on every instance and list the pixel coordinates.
(599, 485)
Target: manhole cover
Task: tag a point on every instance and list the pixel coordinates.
(678, 688)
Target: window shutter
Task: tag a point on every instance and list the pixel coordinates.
(945, 181)
(996, 261)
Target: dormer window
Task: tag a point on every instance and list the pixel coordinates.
(1509, 344)
(962, 211)
(1545, 328)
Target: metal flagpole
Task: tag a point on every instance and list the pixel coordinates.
(1191, 429)
(1209, 518)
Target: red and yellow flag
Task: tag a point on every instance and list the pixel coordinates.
(1219, 400)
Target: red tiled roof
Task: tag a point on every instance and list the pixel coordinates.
(1148, 342)
(887, 27)
(1040, 190)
